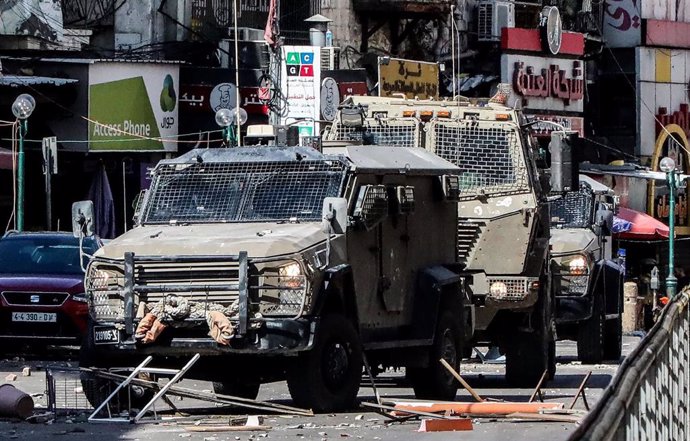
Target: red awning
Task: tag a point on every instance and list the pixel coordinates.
(644, 226)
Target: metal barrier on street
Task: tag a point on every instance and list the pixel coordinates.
(649, 395)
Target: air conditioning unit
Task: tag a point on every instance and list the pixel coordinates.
(330, 58)
(494, 15)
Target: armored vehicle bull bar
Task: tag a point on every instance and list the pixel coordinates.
(154, 277)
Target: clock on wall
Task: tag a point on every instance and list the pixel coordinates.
(551, 29)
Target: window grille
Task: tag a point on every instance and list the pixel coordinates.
(242, 191)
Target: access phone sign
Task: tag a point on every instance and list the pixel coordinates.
(301, 85)
(300, 64)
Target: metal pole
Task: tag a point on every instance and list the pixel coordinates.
(237, 76)
(20, 176)
(49, 208)
(671, 281)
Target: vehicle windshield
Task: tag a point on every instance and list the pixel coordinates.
(573, 210)
(42, 255)
(248, 191)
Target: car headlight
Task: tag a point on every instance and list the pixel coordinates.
(498, 289)
(578, 265)
(80, 297)
(283, 290)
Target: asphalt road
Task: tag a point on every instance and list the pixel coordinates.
(486, 379)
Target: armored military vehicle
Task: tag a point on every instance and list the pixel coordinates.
(502, 234)
(282, 262)
(588, 284)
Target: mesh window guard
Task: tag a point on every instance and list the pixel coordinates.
(489, 155)
(573, 210)
(400, 132)
(242, 191)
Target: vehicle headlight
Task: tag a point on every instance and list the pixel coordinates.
(291, 275)
(498, 289)
(283, 290)
(578, 265)
(80, 297)
(103, 292)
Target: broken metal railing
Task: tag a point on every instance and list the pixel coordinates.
(647, 398)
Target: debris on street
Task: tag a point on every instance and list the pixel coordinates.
(450, 425)
(15, 403)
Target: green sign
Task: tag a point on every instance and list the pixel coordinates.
(122, 117)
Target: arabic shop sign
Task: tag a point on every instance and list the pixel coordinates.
(300, 84)
(202, 98)
(412, 78)
(545, 83)
(133, 106)
(680, 117)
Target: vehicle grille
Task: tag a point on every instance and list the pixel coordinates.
(398, 132)
(488, 154)
(198, 275)
(35, 298)
(468, 236)
(517, 288)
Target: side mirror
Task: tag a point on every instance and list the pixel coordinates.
(335, 213)
(450, 184)
(604, 221)
(372, 205)
(82, 219)
(564, 165)
(138, 205)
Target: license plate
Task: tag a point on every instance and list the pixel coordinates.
(105, 335)
(39, 317)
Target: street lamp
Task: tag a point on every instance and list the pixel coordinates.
(227, 119)
(224, 119)
(668, 166)
(22, 108)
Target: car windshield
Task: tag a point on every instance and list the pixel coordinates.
(248, 191)
(42, 255)
(573, 210)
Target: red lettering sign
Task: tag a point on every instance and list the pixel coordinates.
(680, 117)
(549, 83)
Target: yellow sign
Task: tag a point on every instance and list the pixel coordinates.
(408, 77)
(673, 143)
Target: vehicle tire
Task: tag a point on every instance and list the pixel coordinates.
(242, 389)
(529, 354)
(326, 378)
(435, 382)
(613, 338)
(590, 338)
(97, 389)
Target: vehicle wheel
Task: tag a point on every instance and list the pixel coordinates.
(435, 382)
(98, 389)
(613, 338)
(590, 338)
(245, 389)
(529, 354)
(326, 378)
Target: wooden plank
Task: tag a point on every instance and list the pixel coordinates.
(462, 381)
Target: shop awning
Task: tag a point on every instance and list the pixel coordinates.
(632, 224)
